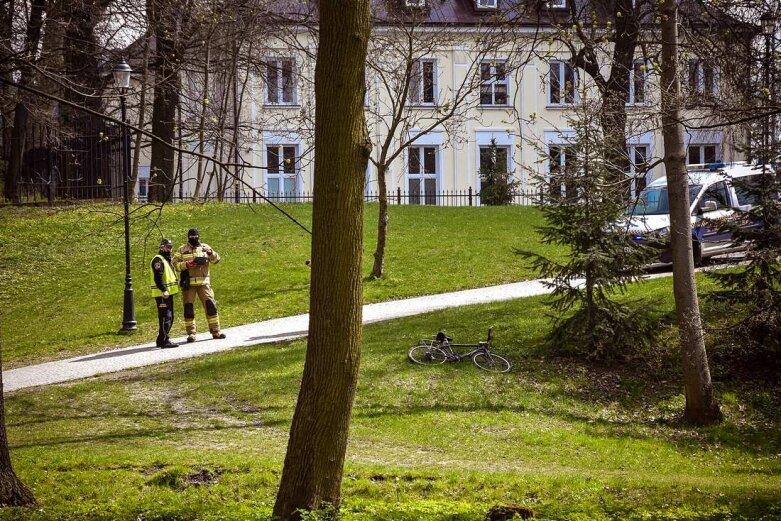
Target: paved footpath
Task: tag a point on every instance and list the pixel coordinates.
(251, 334)
(247, 335)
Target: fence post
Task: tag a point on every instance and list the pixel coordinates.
(470, 196)
(398, 195)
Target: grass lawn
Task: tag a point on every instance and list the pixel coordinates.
(62, 280)
(205, 438)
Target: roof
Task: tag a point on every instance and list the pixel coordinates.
(705, 175)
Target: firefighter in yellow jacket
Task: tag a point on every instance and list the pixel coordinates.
(192, 260)
(162, 281)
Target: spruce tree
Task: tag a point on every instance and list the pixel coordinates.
(753, 292)
(583, 205)
(496, 184)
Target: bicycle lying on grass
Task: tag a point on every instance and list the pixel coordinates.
(440, 350)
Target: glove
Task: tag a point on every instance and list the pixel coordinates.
(165, 294)
(190, 264)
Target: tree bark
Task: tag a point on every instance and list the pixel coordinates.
(202, 124)
(21, 111)
(312, 474)
(141, 122)
(162, 168)
(18, 146)
(162, 164)
(701, 406)
(12, 490)
(382, 222)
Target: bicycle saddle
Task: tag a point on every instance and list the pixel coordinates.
(441, 337)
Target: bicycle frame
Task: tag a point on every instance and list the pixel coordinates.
(480, 347)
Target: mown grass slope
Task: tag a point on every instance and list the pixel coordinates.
(205, 438)
(62, 281)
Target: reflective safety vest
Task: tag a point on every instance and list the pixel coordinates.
(169, 277)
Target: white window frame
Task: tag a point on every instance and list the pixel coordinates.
(422, 175)
(561, 139)
(278, 88)
(418, 83)
(503, 139)
(487, 4)
(632, 95)
(493, 81)
(632, 150)
(281, 175)
(565, 150)
(562, 68)
(415, 3)
(557, 4)
(701, 153)
(142, 186)
(698, 81)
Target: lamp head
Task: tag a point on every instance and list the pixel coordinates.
(122, 73)
(768, 23)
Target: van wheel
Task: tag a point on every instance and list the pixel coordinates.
(697, 254)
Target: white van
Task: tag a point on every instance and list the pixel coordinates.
(714, 200)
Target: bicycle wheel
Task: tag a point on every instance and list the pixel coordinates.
(491, 362)
(426, 353)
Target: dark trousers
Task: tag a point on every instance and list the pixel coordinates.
(165, 318)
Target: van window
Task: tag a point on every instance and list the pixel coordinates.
(746, 189)
(653, 200)
(718, 193)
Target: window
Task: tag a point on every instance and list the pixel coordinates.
(281, 166)
(496, 160)
(702, 154)
(415, 3)
(422, 175)
(423, 83)
(280, 81)
(557, 4)
(638, 83)
(747, 189)
(702, 78)
(562, 83)
(638, 167)
(718, 194)
(560, 162)
(493, 83)
(487, 4)
(143, 188)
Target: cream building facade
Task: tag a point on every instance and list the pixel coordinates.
(504, 86)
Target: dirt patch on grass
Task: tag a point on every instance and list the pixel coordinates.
(203, 477)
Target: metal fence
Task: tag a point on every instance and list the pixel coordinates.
(467, 197)
(83, 163)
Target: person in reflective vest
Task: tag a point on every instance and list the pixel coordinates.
(192, 260)
(164, 286)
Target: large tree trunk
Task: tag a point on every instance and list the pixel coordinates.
(382, 222)
(12, 490)
(701, 407)
(133, 180)
(314, 461)
(18, 146)
(202, 124)
(162, 164)
(21, 112)
(162, 167)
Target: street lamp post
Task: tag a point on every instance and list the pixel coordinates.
(122, 73)
(768, 23)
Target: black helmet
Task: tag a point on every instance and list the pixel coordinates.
(166, 242)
